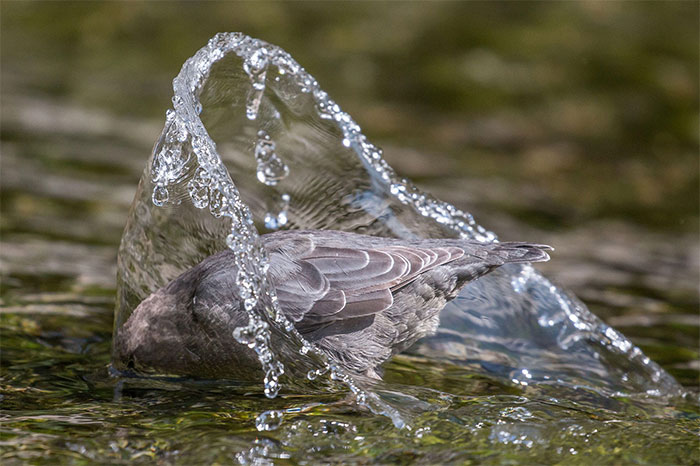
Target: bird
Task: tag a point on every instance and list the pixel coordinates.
(360, 299)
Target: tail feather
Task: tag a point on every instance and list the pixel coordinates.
(522, 252)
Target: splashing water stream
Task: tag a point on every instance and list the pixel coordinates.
(245, 107)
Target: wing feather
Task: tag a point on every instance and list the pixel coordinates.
(331, 282)
(378, 263)
(333, 302)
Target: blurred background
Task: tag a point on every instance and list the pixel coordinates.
(573, 124)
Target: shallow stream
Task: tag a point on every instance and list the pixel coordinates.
(502, 382)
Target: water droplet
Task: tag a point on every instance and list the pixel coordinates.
(264, 265)
(244, 336)
(218, 204)
(177, 101)
(243, 284)
(250, 303)
(264, 354)
(278, 218)
(198, 187)
(256, 67)
(160, 195)
(422, 431)
(325, 107)
(289, 326)
(271, 169)
(269, 420)
(253, 103)
(238, 243)
(361, 398)
(257, 62)
(272, 386)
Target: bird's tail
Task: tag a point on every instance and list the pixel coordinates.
(522, 252)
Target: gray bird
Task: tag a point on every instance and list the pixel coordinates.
(361, 299)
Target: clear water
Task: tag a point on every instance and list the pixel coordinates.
(479, 391)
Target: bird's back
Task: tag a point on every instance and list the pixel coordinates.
(362, 299)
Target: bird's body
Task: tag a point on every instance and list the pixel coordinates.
(359, 298)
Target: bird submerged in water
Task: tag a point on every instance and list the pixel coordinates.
(361, 299)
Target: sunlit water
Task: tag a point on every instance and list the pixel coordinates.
(518, 371)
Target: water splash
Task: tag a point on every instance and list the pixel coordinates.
(341, 181)
(271, 169)
(277, 218)
(269, 420)
(256, 67)
(169, 163)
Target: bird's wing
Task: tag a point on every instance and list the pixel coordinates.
(321, 283)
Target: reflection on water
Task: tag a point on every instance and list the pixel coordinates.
(67, 183)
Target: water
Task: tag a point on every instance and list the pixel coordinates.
(494, 405)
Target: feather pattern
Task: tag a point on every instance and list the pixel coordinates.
(332, 281)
